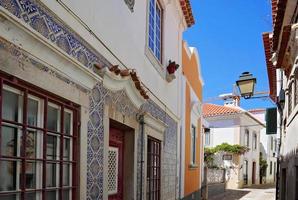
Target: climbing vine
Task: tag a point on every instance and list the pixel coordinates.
(235, 149)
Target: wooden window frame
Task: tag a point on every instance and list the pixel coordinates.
(28, 90)
(150, 166)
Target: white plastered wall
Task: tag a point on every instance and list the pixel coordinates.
(124, 33)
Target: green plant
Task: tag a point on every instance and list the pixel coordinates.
(263, 166)
(235, 149)
(232, 149)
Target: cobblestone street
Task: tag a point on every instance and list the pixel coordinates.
(247, 194)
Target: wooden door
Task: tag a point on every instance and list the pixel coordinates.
(253, 173)
(115, 164)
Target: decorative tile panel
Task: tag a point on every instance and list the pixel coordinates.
(44, 21)
(101, 96)
(22, 57)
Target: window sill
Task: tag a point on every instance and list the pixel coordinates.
(193, 166)
(292, 115)
(155, 62)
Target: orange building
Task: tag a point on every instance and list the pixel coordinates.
(191, 125)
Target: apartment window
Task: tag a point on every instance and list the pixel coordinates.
(246, 138)
(155, 26)
(207, 137)
(153, 169)
(245, 172)
(270, 167)
(193, 144)
(296, 88)
(37, 146)
(290, 108)
(255, 141)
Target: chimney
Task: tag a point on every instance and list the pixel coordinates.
(230, 99)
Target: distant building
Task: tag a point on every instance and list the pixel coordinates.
(191, 134)
(233, 125)
(268, 148)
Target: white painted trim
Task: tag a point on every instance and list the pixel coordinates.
(116, 83)
(157, 133)
(194, 51)
(155, 124)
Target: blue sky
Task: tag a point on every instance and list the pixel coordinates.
(228, 35)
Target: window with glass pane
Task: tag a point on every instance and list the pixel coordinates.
(154, 30)
(290, 99)
(193, 144)
(30, 153)
(53, 118)
(246, 139)
(296, 88)
(51, 147)
(255, 141)
(207, 137)
(32, 112)
(153, 169)
(11, 105)
(67, 123)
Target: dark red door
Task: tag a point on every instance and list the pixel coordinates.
(115, 164)
(253, 172)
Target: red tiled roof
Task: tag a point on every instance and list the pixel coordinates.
(278, 13)
(271, 71)
(127, 72)
(258, 110)
(211, 110)
(187, 12)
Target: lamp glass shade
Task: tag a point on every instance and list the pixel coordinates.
(246, 87)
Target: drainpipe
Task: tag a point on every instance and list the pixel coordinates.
(142, 123)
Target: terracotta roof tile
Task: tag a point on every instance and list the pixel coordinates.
(256, 111)
(211, 110)
(187, 12)
(127, 72)
(271, 71)
(278, 13)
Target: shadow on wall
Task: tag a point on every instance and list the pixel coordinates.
(263, 151)
(230, 195)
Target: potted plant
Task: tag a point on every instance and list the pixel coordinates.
(172, 67)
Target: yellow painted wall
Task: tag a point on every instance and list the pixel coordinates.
(192, 180)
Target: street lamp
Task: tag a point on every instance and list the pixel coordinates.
(246, 85)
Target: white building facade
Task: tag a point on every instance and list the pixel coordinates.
(268, 148)
(87, 110)
(233, 125)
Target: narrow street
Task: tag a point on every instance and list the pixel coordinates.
(247, 194)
